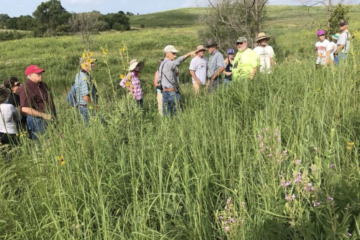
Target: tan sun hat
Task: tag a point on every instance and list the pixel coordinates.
(4, 93)
(134, 63)
(170, 48)
(200, 48)
(262, 36)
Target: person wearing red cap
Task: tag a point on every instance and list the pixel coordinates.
(36, 101)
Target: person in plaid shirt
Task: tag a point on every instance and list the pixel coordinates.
(132, 83)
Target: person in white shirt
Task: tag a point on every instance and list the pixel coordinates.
(322, 49)
(343, 44)
(333, 47)
(265, 53)
(198, 69)
(8, 118)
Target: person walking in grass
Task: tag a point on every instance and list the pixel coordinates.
(36, 101)
(229, 60)
(246, 61)
(9, 117)
(216, 65)
(322, 49)
(333, 47)
(86, 91)
(343, 44)
(265, 53)
(168, 80)
(132, 82)
(158, 88)
(198, 69)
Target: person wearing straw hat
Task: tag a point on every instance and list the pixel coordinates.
(246, 61)
(36, 101)
(216, 65)
(343, 44)
(9, 117)
(265, 53)
(198, 69)
(322, 49)
(333, 47)
(86, 92)
(168, 79)
(132, 82)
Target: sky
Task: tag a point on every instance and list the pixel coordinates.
(27, 7)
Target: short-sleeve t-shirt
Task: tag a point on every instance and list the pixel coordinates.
(321, 49)
(244, 64)
(199, 66)
(265, 54)
(344, 39)
(8, 116)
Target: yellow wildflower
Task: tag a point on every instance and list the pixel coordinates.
(122, 76)
(123, 49)
(62, 163)
(83, 65)
(105, 51)
(127, 84)
(60, 158)
(350, 143)
(129, 77)
(90, 107)
(88, 61)
(348, 148)
(83, 56)
(90, 54)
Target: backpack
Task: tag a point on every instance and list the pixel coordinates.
(71, 97)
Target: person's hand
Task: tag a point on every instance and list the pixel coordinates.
(207, 84)
(198, 82)
(47, 117)
(192, 54)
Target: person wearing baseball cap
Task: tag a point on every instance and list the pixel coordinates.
(198, 69)
(246, 61)
(229, 60)
(36, 101)
(168, 79)
(265, 53)
(322, 49)
(343, 44)
(216, 65)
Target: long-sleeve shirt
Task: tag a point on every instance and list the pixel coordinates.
(167, 72)
(132, 83)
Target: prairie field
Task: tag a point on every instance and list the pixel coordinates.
(273, 158)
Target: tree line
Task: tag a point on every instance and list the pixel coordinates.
(51, 18)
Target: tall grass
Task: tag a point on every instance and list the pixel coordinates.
(145, 177)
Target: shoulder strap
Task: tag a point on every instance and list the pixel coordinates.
(161, 72)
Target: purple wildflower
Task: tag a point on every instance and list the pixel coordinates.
(232, 220)
(290, 198)
(316, 204)
(226, 229)
(349, 234)
(259, 137)
(279, 140)
(221, 217)
(281, 176)
(270, 155)
(297, 161)
(267, 148)
(330, 198)
(315, 149)
(228, 201)
(261, 145)
(332, 165)
(261, 150)
(285, 184)
(285, 152)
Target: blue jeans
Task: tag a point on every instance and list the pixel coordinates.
(226, 81)
(36, 126)
(86, 113)
(171, 101)
(338, 58)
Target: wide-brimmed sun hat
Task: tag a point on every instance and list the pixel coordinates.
(335, 36)
(134, 63)
(262, 36)
(211, 42)
(4, 93)
(200, 48)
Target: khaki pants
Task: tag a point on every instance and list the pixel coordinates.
(196, 89)
(160, 102)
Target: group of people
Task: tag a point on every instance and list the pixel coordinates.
(335, 51)
(30, 106)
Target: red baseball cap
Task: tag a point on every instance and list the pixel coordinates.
(33, 69)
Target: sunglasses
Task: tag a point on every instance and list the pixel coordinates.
(239, 43)
(173, 53)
